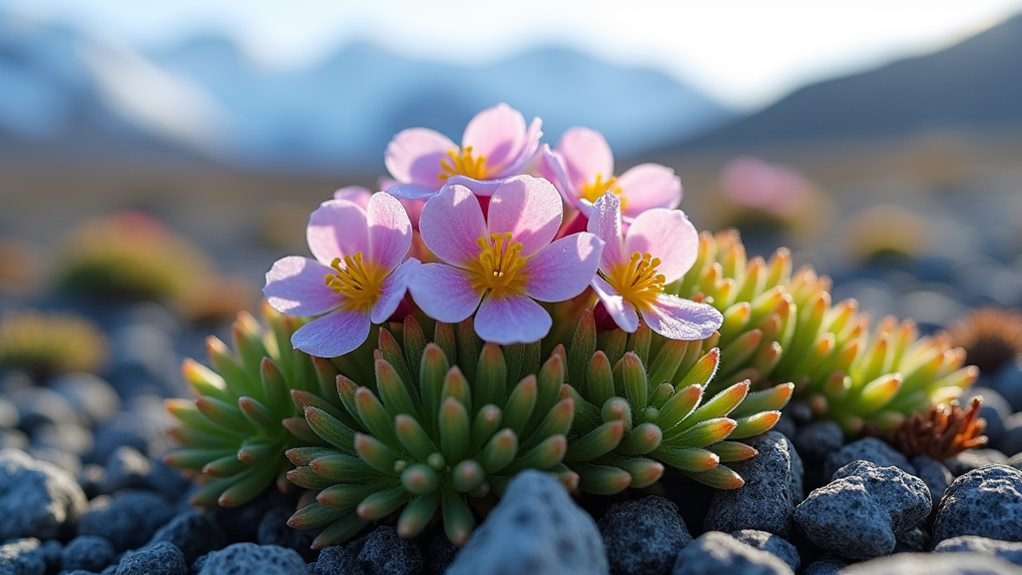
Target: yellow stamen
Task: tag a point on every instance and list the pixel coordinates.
(637, 281)
(461, 162)
(595, 189)
(499, 266)
(357, 280)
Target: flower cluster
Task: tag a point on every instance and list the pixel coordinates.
(512, 231)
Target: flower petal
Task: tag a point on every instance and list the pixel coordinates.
(585, 154)
(530, 208)
(605, 223)
(411, 192)
(665, 234)
(333, 335)
(296, 286)
(551, 167)
(390, 231)
(684, 319)
(393, 290)
(336, 229)
(648, 186)
(563, 269)
(451, 222)
(444, 292)
(414, 155)
(528, 152)
(497, 134)
(512, 319)
(478, 187)
(355, 194)
(624, 313)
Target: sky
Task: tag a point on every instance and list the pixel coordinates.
(743, 53)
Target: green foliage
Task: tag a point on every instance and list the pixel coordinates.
(44, 344)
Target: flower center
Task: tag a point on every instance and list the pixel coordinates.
(461, 162)
(637, 281)
(357, 280)
(595, 189)
(499, 266)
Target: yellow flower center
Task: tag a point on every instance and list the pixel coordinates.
(637, 280)
(595, 189)
(357, 280)
(461, 162)
(499, 266)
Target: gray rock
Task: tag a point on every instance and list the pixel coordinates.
(69, 462)
(163, 558)
(273, 530)
(973, 459)
(868, 449)
(715, 553)
(913, 540)
(385, 553)
(439, 554)
(193, 533)
(770, 543)
(92, 398)
(8, 414)
(995, 410)
(51, 550)
(244, 558)
(536, 528)
(985, 502)
(773, 487)
(1011, 440)
(70, 437)
(87, 552)
(127, 468)
(819, 439)
(830, 566)
(22, 557)
(930, 564)
(786, 426)
(643, 536)
(1016, 461)
(41, 405)
(934, 474)
(1007, 550)
(37, 498)
(1008, 382)
(862, 511)
(336, 559)
(128, 520)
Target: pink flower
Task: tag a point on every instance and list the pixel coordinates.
(360, 195)
(758, 185)
(582, 166)
(496, 145)
(501, 264)
(660, 246)
(357, 278)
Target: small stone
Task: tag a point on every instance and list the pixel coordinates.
(715, 553)
(126, 429)
(819, 439)
(70, 437)
(193, 532)
(36, 498)
(127, 520)
(934, 474)
(830, 566)
(868, 449)
(985, 502)
(22, 557)
(786, 426)
(69, 462)
(1011, 440)
(163, 558)
(995, 410)
(92, 478)
(8, 414)
(242, 523)
(87, 552)
(336, 559)
(1007, 550)
(92, 398)
(127, 468)
(770, 543)
(773, 487)
(972, 459)
(244, 558)
(930, 564)
(51, 550)
(643, 536)
(1008, 382)
(386, 553)
(41, 405)
(536, 528)
(273, 530)
(1016, 461)
(861, 512)
(916, 539)
(439, 554)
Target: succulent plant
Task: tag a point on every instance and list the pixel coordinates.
(639, 407)
(233, 435)
(438, 429)
(991, 338)
(780, 326)
(45, 344)
(942, 431)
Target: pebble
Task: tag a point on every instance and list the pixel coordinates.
(336, 559)
(22, 557)
(643, 536)
(829, 566)
(985, 502)
(715, 553)
(127, 468)
(536, 528)
(995, 410)
(972, 459)
(930, 564)
(162, 558)
(819, 439)
(8, 414)
(1011, 440)
(127, 520)
(1008, 382)
(861, 512)
(244, 558)
(193, 532)
(69, 437)
(386, 553)
(439, 554)
(273, 530)
(1007, 550)
(770, 543)
(37, 499)
(87, 552)
(41, 405)
(1016, 461)
(92, 398)
(868, 449)
(773, 487)
(934, 474)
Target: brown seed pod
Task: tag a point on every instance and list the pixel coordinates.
(943, 431)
